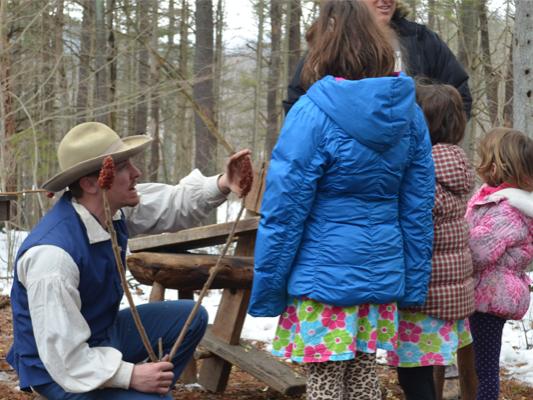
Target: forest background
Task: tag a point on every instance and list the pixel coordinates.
(175, 70)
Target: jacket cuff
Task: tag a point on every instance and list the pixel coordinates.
(212, 190)
(122, 377)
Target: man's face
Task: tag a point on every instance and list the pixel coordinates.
(382, 9)
(123, 192)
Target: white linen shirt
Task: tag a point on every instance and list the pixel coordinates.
(51, 279)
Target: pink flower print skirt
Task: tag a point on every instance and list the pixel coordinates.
(424, 340)
(309, 331)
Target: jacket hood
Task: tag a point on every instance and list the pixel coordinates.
(375, 111)
(517, 198)
(452, 168)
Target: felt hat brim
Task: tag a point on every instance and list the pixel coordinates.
(131, 145)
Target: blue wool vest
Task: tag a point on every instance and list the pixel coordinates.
(99, 287)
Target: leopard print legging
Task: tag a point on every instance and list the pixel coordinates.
(344, 380)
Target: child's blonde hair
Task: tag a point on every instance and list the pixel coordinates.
(506, 156)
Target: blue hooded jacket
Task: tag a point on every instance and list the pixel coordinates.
(346, 218)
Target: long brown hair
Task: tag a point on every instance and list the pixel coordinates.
(506, 155)
(444, 112)
(347, 42)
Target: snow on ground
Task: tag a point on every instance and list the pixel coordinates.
(517, 347)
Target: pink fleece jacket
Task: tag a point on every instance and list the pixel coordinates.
(501, 241)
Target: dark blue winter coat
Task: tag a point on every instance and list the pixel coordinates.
(346, 217)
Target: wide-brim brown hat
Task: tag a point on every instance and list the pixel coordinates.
(83, 149)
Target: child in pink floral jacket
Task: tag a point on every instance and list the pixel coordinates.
(500, 217)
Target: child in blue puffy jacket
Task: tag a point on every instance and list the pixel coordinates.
(346, 229)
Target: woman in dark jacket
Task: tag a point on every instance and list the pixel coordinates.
(424, 54)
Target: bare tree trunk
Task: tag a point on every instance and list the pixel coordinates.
(295, 36)
(522, 71)
(101, 88)
(46, 95)
(273, 108)
(509, 88)
(8, 174)
(431, 14)
(143, 70)
(206, 145)
(258, 77)
(468, 33)
(61, 76)
(491, 80)
(218, 61)
(112, 64)
(167, 147)
(184, 135)
(82, 103)
(154, 100)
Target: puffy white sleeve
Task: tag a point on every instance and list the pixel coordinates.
(165, 208)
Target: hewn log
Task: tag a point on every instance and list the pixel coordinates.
(193, 238)
(190, 271)
(261, 365)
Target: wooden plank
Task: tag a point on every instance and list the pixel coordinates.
(193, 238)
(259, 364)
(190, 271)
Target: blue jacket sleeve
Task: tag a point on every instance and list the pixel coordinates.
(297, 164)
(416, 205)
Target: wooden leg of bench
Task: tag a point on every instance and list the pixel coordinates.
(157, 293)
(215, 371)
(190, 373)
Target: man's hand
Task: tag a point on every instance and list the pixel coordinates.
(238, 176)
(152, 377)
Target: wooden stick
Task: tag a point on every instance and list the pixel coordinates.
(212, 273)
(21, 192)
(122, 274)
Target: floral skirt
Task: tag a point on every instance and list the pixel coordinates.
(424, 340)
(309, 331)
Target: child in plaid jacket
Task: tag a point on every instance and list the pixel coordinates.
(430, 335)
(500, 216)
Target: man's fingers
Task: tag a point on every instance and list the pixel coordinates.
(166, 366)
(166, 376)
(241, 153)
(163, 390)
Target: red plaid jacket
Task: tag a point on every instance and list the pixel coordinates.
(451, 290)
